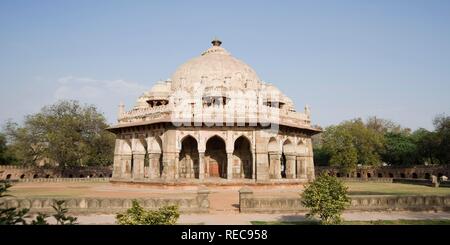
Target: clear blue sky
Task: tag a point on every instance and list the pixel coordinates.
(345, 59)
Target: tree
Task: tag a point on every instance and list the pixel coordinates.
(367, 142)
(327, 198)
(442, 129)
(399, 148)
(5, 154)
(66, 133)
(136, 215)
(337, 142)
(427, 145)
(351, 143)
(384, 126)
(27, 143)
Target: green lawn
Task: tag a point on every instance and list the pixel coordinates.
(371, 188)
(375, 222)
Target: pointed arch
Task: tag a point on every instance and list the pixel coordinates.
(216, 156)
(126, 147)
(273, 145)
(243, 155)
(188, 162)
(301, 147)
(154, 145)
(288, 147)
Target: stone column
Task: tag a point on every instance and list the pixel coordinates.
(169, 165)
(229, 165)
(310, 168)
(290, 166)
(191, 173)
(126, 165)
(275, 168)
(201, 165)
(301, 167)
(253, 165)
(117, 166)
(153, 171)
(177, 164)
(138, 165)
(262, 166)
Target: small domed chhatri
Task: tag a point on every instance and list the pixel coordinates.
(213, 122)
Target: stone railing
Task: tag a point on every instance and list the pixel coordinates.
(378, 180)
(249, 203)
(10, 167)
(425, 182)
(197, 203)
(217, 114)
(404, 172)
(22, 173)
(444, 183)
(146, 111)
(40, 180)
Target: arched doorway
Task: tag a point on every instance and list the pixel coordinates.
(287, 168)
(154, 157)
(243, 156)
(188, 165)
(216, 157)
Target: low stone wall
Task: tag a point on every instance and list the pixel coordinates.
(425, 182)
(11, 172)
(249, 203)
(40, 180)
(378, 180)
(198, 203)
(444, 183)
(370, 172)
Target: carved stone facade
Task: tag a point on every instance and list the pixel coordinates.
(213, 121)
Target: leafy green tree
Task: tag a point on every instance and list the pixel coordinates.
(6, 158)
(400, 149)
(427, 145)
(137, 215)
(337, 142)
(326, 198)
(321, 156)
(442, 129)
(66, 133)
(351, 143)
(367, 142)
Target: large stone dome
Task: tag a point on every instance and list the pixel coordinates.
(215, 67)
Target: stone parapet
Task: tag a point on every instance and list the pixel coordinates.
(250, 203)
(40, 180)
(197, 203)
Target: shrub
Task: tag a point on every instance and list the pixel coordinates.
(326, 198)
(136, 215)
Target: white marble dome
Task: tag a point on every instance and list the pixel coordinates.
(215, 67)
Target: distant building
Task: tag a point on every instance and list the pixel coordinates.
(214, 120)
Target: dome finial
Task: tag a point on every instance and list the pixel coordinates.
(216, 42)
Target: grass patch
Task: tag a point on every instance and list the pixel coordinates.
(372, 222)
